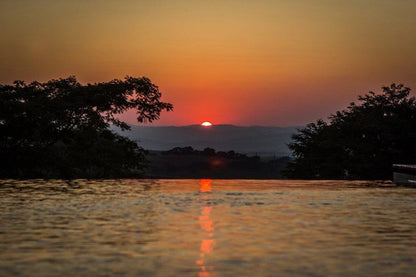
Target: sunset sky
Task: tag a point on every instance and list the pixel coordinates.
(262, 62)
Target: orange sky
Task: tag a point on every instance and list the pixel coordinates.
(240, 62)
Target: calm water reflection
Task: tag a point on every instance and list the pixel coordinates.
(206, 228)
(207, 243)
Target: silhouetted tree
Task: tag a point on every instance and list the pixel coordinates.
(209, 151)
(186, 162)
(360, 142)
(60, 128)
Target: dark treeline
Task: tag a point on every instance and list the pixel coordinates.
(60, 128)
(186, 162)
(207, 152)
(360, 142)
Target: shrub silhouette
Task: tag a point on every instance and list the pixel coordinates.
(60, 128)
(360, 142)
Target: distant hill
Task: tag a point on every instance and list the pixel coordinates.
(260, 140)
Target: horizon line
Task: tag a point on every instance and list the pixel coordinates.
(214, 125)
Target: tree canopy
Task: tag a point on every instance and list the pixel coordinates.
(360, 142)
(60, 128)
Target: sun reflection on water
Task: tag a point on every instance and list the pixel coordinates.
(207, 243)
(205, 185)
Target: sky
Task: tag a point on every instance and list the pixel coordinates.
(263, 62)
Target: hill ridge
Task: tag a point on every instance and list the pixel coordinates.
(269, 140)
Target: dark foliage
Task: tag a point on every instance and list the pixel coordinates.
(60, 129)
(360, 142)
(186, 162)
(189, 150)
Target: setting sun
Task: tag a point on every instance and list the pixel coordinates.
(206, 124)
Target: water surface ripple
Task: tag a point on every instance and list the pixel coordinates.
(206, 228)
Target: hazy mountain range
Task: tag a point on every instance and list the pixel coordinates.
(259, 140)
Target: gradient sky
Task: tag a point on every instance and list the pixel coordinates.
(240, 62)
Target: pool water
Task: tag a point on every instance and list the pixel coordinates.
(206, 228)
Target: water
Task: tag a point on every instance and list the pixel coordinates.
(206, 228)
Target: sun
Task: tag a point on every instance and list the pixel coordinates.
(206, 124)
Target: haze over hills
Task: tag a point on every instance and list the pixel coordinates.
(260, 140)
